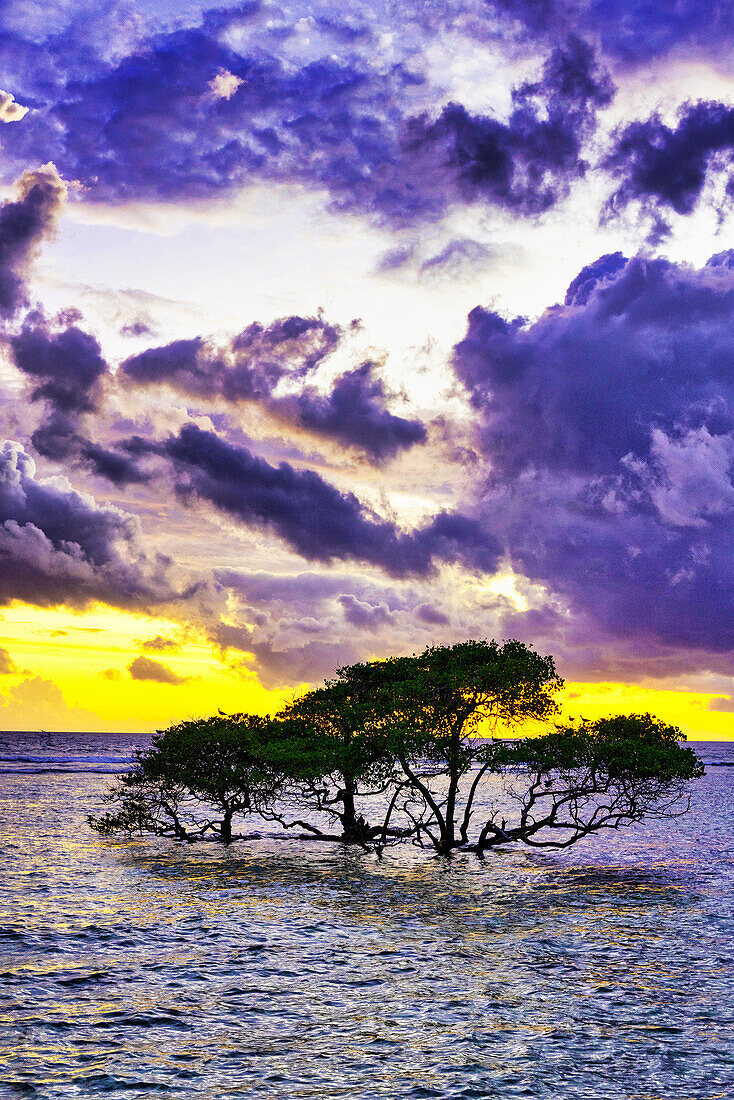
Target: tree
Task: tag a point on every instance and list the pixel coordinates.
(430, 709)
(597, 775)
(335, 755)
(399, 750)
(195, 779)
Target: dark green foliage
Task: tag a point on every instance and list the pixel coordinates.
(398, 750)
(336, 754)
(432, 706)
(195, 779)
(595, 775)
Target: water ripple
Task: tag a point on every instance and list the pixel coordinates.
(283, 971)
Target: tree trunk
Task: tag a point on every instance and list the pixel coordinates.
(350, 829)
(225, 829)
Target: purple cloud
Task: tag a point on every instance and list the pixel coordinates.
(24, 224)
(631, 32)
(526, 164)
(665, 168)
(57, 546)
(67, 370)
(221, 116)
(247, 369)
(144, 668)
(309, 514)
(353, 413)
(363, 615)
(608, 425)
(66, 364)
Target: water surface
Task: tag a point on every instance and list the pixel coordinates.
(285, 969)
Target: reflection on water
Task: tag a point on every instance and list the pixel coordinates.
(289, 970)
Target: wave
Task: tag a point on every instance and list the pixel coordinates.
(59, 771)
(56, 758)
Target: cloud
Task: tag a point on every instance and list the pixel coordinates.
(67, 370)
(224, 85)
(66, 364)
(159, 644)
(431, 615)
(137, 328)
(638, 32)
(353, 414)
(24, 223)
(363, 615)
(7, 664)
(632, 32)
(459, 258)
(250, 368)
(58, 546)
(664, 169)
(225, 108)
(38, 703)
(526, 164)
(10, 111)
(313, 517)
(144, 668)
(608, 428)
(724, 705)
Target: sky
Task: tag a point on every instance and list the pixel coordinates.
(329, 332)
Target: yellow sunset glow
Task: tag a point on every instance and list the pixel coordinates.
(86, 656)
(72, 672)
(687, 709)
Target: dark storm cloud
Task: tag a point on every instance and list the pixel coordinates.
(66, 365)
(222, 109)
(631, 32)
(313, 517)
(329, 121)
(609, 426)
(248, 369)
(144, 668)
(353, 413)
(66, 368)
(59, 546)
(527, 163)
(665, 168)
(24, 224)
(119, 469)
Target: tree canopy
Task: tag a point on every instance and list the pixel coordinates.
(406, 750)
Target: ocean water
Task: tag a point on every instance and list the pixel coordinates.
(286, 969)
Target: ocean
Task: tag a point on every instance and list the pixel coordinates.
(286, 969)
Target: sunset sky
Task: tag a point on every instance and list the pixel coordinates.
(330, 331)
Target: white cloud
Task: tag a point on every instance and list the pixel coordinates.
(10, 111)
